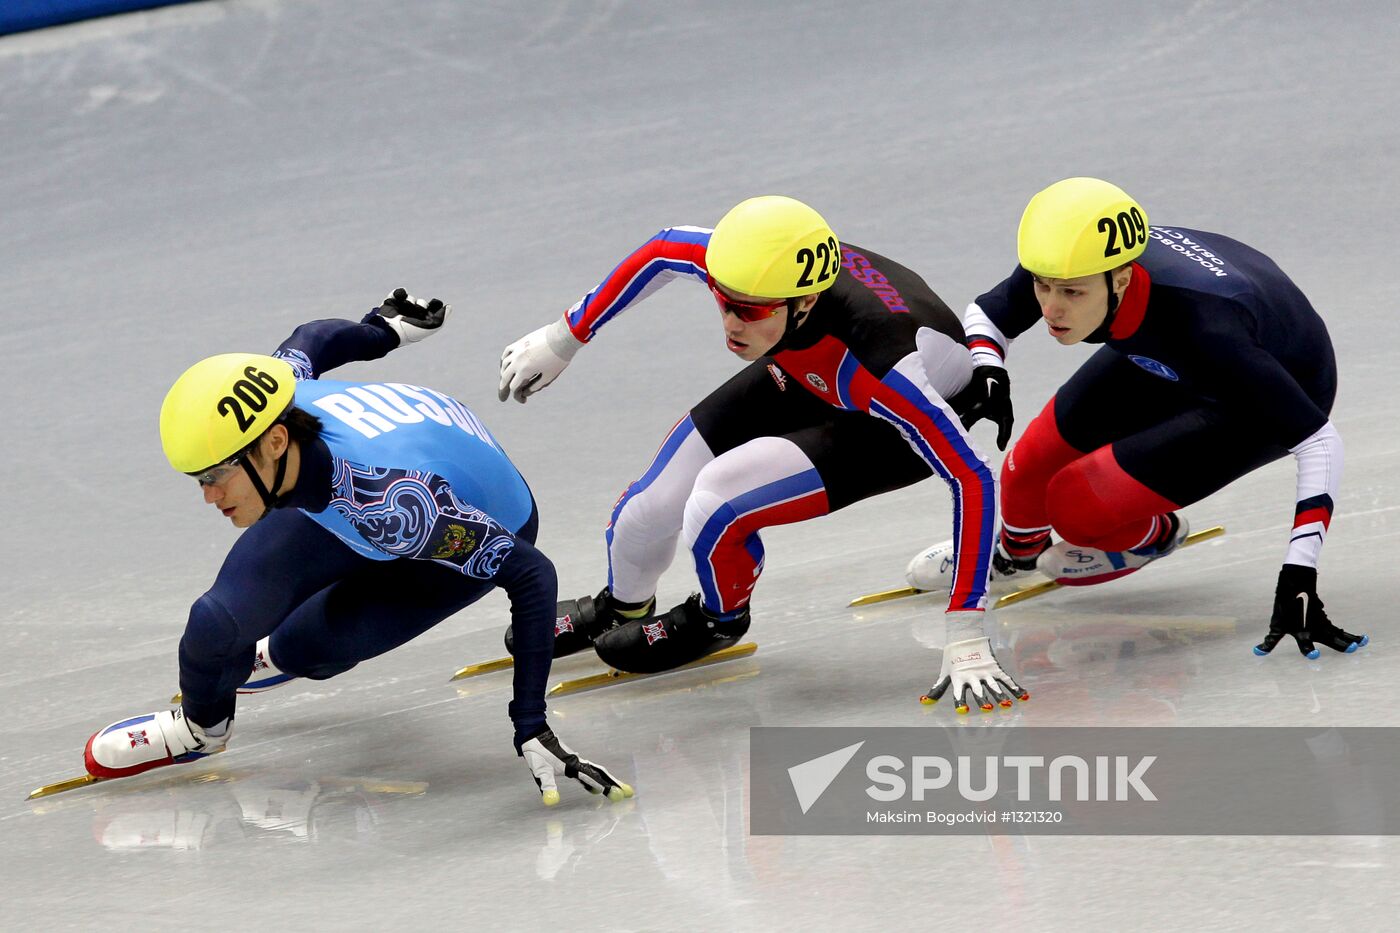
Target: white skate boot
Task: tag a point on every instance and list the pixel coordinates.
(932, 570)
(265, 674)
(1070, 565)
(151, 741)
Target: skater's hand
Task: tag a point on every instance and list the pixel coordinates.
(994, 385)
(1298, 612)
(548, 757)
(536, 360)
(974, 676)
(413, 318)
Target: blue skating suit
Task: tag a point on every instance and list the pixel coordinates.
(383, 508)
(405, 510)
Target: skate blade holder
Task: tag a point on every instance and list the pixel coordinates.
(609, 677)
(1025, 592)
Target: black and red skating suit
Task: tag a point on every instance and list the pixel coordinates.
(858, 352)
(1212, 340)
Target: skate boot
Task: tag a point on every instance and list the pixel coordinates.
(1070, 565)
(265, 674)
(932, 570)
(577, 622)
(151, 741)
(687, 633)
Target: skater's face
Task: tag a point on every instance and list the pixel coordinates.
(1074, 308)
(233, 493)
(751, 339)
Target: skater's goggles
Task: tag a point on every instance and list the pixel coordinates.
(220, 473)
(747, 311)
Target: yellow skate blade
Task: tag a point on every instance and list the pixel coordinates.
(1026, 592)
(871, 598)
(1046, 586)
(1205, 534)
(177, 699)
(48, 790)
(732, 653)
(485, 667)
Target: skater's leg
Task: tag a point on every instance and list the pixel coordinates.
(765, 481)
(1037, 456)
(646, 522)
(768, 481)
(1119, 497)
(275, 565)
(1107, 398)
(1093, 503)
(378, 609)
(372, 613)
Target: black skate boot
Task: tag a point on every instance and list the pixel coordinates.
(578, 621)
(687, 633)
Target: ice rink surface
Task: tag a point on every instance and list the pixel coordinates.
(201, 179)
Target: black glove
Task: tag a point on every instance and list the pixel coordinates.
(1298, 612)
(547, 757)
(412, 318)
(992, 385)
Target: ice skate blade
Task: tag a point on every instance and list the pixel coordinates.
(48, 790)
(732, 653)
(871, 599)
(1019, 595)
(485, 667)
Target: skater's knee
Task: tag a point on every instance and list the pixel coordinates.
(703, 511)
(1077, 506)
(755, 463)
(645, 516)
(211, 631)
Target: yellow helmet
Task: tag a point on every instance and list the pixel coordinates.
(220, 405)
(1078, 227)
(773, 247)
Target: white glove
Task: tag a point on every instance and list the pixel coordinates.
(547, 756)
(536, 360)
(413, 318)
(969, 667)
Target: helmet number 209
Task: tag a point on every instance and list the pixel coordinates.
(251, 392)
(828, 253)
(1129, 224)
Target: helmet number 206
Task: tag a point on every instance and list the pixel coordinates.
(252, 392)
(1128, 223)
(830, 256)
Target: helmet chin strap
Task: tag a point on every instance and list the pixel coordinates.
(1101, 333)
(791, 325)
(269, 499)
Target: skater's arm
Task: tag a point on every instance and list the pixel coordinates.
(999, 316)
(530, 582)
(461, 536)
(1319, 460)
(905, 398)
(1255, 388)
(536, 360)
(672, 252)
(317, 347)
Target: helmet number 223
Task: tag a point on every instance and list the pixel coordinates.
(830, 256)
